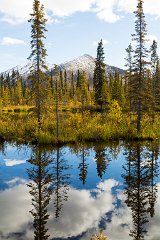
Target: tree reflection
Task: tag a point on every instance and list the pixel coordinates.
(83, 166)
(153, 173)
(2, 150)
(101, 158)
(40, 190)
(140, 172)
(60, 183)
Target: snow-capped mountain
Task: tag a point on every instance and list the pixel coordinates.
(87, 63)
(23, 70)
(83, 63)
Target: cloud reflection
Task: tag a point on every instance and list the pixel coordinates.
(83, 210)
(13, 162)
(81, 214)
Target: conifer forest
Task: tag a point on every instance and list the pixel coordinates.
(79, 148)
(62, 106)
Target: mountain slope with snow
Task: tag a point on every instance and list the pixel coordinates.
(83, 63)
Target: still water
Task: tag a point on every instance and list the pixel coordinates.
(73, 191)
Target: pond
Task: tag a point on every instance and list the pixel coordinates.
(73, 191)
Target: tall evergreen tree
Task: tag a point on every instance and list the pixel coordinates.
(139, 81)
(156, 86)
(38, 53)
(72, 87)
(117, 89)
(78, 79)
(155, 75)
(154, 56)
(57, 99)
(129, 65)
(61, 85)
(99, 75)
(65, 87)
(1, 85)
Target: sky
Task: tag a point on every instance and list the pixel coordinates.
(74, 28)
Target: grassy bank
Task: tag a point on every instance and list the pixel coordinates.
(99, 236)
(75, 127)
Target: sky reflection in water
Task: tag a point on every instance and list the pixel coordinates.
(91, 187)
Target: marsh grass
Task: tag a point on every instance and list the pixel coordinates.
(73, 127)
(99, 236)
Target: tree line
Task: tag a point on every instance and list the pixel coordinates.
(136, 92)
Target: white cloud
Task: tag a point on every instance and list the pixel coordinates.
(105, 10)
(127, 5)
(17, 11)
(11, 41)
(150, 39)
(150, 6)
(63, 8)
(105, 42)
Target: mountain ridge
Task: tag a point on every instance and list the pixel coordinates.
(84, 63)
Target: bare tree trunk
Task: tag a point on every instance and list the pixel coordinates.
(57, 110)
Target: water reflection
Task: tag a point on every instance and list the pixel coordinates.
(40, 190)
(61, 179)
(141, 168)
(74, 191)
(83, 166)
(102, 159)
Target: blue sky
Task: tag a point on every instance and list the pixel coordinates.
(74, 28)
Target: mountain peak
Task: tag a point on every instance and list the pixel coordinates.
(87, 56)
(83, 63)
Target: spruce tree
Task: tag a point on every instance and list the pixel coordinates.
(155, 74)
(129, 65)
(61, 85)
(65, 88)
(117, 89)
(38, 52)
(154, 56)
(139, 84)
(78, 79)
(99, 75)
(156, 87)
(57, 99)
(83, 91)
(1, 85)
(72, 87)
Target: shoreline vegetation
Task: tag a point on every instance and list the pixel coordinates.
(19, 124)
(56, 106)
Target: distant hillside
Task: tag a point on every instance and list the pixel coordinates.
(83, 63)
(87, 63)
